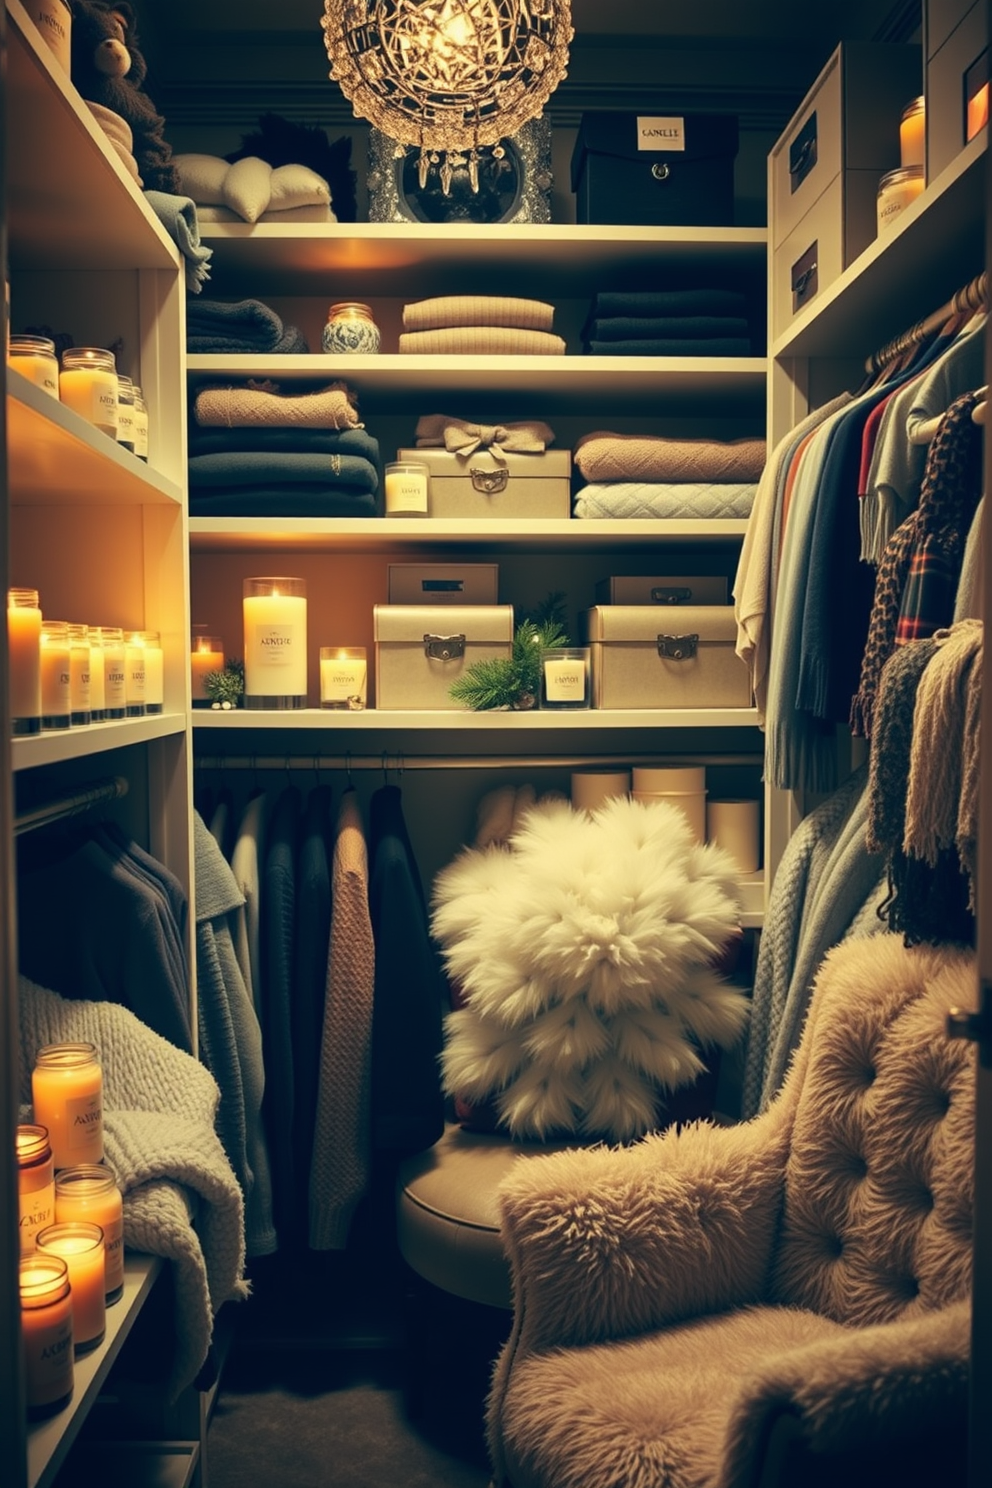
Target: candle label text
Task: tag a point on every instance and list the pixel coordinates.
(275, 644)
(660, 132)
(84, 1123)
(564, 681)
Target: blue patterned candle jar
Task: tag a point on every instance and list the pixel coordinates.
(350, 330)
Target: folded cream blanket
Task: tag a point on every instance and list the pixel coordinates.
(484, 340)
(118, 132)
(693, 500)
(605, 456)
(247, 405)
(477, 310)
(181, 1198)
(317, 213)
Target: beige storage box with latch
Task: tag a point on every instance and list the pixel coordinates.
(482, 485)
(662, 589)
(420, 650)
(685, 659)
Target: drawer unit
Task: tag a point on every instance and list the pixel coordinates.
(957, 89)
(940, 17)
(662, 589)
(831, 235)
(641, 659)
(420, 651)
(442, 583)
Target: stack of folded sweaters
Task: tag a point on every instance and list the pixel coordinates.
(256, 451)
(670, 322)
(228, 328)
(493, 325)
(646, 475)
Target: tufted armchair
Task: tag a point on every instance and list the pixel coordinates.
(784, 1301)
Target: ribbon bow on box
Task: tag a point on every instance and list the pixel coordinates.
(463, 438)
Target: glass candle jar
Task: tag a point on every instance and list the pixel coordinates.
(407, 488)
(98, 684)
(114, 671)
(35, 1183)
(565, 677)
(67, 1096)
(343, 677)
(24, 660)
(897, 190)
(79, 675)
(89, 1193)
(46, 1333)
(140, 424)
(206, 655)
(350, 330)
(34, 358)
(912, 134)
(54, 20)
(125, 412)
(88, 384)
(81, 1247)
(134, 673)
(154, 671)
(56, 695)
(275, 624)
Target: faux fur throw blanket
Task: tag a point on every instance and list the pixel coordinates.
(257, 405)
(605, 456)
(159, 1139)
(584, 953)
(477, 310)
(628, 500)
(439, 431)
(482, 341)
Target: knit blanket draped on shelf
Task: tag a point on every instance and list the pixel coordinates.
(699, 500)
(178, 216)
(234, 407)
(605, 456)
(181, 1198)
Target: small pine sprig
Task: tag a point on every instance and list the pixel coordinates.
(225, 688)
(512, 681)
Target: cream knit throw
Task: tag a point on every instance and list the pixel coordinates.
(477, 310)
(181, 1198)
(942, 794)
(482, 340)
(604, 456)
(263, 406)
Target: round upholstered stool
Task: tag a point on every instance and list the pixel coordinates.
(447, 1219)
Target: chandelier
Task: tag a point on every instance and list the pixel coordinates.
(448, 76)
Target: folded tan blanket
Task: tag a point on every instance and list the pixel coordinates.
(604, 456)
(477, 310)
(264, 406)
(487, 340)
(319, 212)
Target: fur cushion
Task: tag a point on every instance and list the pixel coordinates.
(584, 952)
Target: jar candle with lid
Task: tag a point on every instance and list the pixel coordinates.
(81, 1247)
(89, 1193)
(56, 693)
(125, 412)
(912, 134)
(46, 1334)
(88, 385)
(154, 671)
(897, 190)
(114, 671)
(140, 424)
(35, 1183)
(79, 675)
(67, 1098)
(350, 330)
(24, 660)
(34, 358)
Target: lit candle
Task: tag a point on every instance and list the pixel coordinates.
(275, 624)
(34, 357)
(35, 1183)
(88, 384)
(154, 671)
(67, 1095)
(206, 656)
(81, 1247)
(134, 674)
(24, 660)
(79, 674)
(407, 488)
(343, 673)
(912, 133)
(56, 693)
(46, 1333)
(98, 682)
(89, 1193)
(114, 671)
(565, 677)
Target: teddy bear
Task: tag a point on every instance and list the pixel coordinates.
(109, 69)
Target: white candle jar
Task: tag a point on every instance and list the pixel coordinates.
(565, 677)
(67, 1098)
(34, 358)
(81, 1247)
(46, 1334)
(24, 660)
(275, 627)
(343, 677)
(89, 1193)
(114, 671)
(897, 190)
(407, 487)
(80, 710)
(125, 413)
(56, 691)
(140, 424)
(154, 671)
(134, 674)
(98, 681)
(88, 385)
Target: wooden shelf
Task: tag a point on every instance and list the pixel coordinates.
(520, 725)
(50, 1440)
(132, 1464)
(46, 439)
(31, 750)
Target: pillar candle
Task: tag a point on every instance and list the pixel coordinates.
(24, 660)
(206, 656)
(81, 1247)
(134, 674)
(46, 1333)
(67, 1095)
(90, 1193)
(56, 695)
(114, 671)
(275, 623)
(343, 675)
(35, 1183)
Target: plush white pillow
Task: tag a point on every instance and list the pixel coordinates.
(201, 177)
(297, 186)
(248, 187)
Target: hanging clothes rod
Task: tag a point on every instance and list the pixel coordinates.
(972, 296)
(400, 762)
(75, 804)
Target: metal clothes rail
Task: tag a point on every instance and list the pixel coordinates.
(401, 762)
(73, 804)
(972, 296)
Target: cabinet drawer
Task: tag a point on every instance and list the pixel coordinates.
(939, 19)
(951, 76)
(838, 227)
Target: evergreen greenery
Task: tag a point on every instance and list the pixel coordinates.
(226, 688)
(514, 681)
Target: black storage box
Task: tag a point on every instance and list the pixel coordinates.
(651, 170)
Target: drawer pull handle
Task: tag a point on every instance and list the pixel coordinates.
(804, 278)
(663, 594)
(677, 647)
(802, 153)
(661, 172)
(444, 648)
(489, 482)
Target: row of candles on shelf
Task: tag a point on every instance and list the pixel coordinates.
(64, 674)
(88, 382)
(71, 1223)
